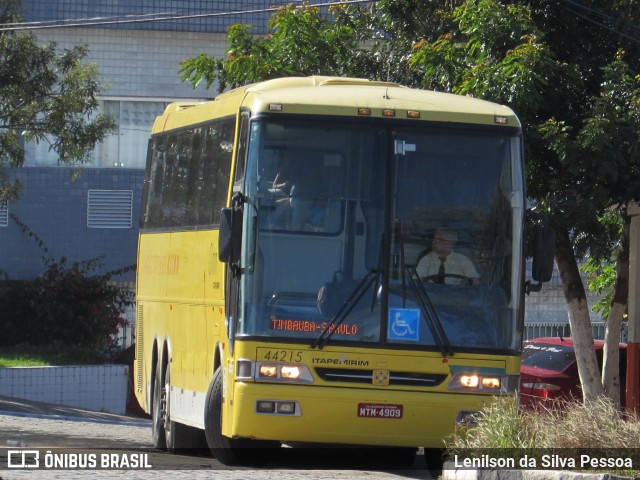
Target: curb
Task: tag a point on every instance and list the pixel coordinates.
(470, 474)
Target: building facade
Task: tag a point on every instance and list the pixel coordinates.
(137, 46)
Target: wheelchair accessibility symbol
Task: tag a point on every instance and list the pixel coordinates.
(404, 324)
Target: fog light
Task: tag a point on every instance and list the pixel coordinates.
(270, 371)
(264, 406)
(286, 407)
(467, 418)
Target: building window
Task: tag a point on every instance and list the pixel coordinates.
(4, 214)
(125, 148)
(109, 208)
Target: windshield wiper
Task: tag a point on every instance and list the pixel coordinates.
(346, 307)
(428, 310)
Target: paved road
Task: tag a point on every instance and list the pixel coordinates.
(34, 426)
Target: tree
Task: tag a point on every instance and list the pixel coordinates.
(608, 144)
(47, 97)
(609, 279)
(302, 42)
(542, 58)
(573, 177)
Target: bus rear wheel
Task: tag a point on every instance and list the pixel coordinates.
(169, 425)
(177, 435)
(229, 451)
(158, 410)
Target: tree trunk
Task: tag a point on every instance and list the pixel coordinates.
(579, 320)
(611, 354)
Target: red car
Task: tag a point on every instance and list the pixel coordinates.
(549, 370)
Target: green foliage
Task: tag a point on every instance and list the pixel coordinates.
(601, 268)
(501, 424)
(600, 280)
(561, 70)
(496, 53)
(561, 427)
(303, 42)
(27, 355)
(48, 97)
(67, 305)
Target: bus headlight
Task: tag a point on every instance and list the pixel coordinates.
(484, 383)
(290, 372)
(268, 371)
(469, 381)
(491, 382)
(283, 372)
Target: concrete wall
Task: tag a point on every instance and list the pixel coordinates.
(102, 388)
(53, 205)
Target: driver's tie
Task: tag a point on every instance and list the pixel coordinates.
(440, 278)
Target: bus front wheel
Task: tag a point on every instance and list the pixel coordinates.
(434, 459)
(229, 451)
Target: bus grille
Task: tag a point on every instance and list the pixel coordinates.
(413, 379)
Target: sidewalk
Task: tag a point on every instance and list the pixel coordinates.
(26, 408)
(55, 425)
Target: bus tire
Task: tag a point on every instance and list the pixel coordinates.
(401, 456)
(158, 410)
(179, 437)
(170, 426)
(434, 460)
(227, 450)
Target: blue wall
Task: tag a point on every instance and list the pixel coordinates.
(196, 15)
(54, 206)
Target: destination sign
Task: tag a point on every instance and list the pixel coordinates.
(309, 326)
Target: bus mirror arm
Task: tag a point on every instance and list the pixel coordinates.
(230, 235)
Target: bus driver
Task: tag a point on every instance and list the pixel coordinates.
(444, 265)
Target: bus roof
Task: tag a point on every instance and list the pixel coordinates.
(319, 95)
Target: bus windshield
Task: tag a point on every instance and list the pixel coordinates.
(409, 231)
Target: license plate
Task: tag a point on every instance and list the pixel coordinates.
(373, 410)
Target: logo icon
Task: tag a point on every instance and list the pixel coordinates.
(380, 377)
(23, 459)
(404, 324)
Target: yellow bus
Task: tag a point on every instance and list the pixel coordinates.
(283, 290)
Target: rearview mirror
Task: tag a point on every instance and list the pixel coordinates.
(543, 251)
(230, 236)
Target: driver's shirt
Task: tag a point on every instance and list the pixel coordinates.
(455, 263)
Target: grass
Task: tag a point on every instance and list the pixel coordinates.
(25, 355)
(567, 429)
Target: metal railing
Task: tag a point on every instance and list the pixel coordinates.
(126, 335)
(534, 330)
